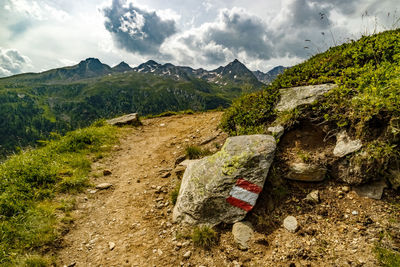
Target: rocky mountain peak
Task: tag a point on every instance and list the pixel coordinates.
(121, 67)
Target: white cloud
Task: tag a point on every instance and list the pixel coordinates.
(38, 10)
(206, 33)
(12, 62)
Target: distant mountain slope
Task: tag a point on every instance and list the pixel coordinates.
(269, 76)
(34, 104)
(122, 67)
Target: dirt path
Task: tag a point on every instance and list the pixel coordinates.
(134, 214)
(130, 224)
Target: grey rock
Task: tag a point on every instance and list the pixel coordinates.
(345, 146)
(297, 96)
(242, 233)
(208, 139)
(290, 224)
(111, 245)
(313, 197)
(372, 190)
(208, 182)
(129, 119)
(276, 131)
(103, 186)
(187, 255)
(165, 174)
(187, 162)
(306, 172)
(180, 159)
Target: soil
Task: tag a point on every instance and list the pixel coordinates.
(130, 224)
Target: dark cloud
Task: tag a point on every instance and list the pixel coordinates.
(305, 13)
(137, 30)
(11, 62)
(241, 32)
(234, 32)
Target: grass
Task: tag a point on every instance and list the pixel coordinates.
(175, 193)
(32, 215)
(204, 236)
(195, 152)
(386, 257)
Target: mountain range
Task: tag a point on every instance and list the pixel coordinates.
(92, 67)
(35, 104)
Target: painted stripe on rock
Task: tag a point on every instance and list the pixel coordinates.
(248, 186)
(239, 203)
(244, 195)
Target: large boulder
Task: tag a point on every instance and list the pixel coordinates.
(129, 119)
(297, 96)
(225, 186)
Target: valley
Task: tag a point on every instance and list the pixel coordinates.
(59, 100)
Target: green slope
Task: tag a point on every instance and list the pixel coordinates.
(366, 102)
(33, 105)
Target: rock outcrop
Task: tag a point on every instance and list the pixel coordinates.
(225, 186)
(129, 119)
(302, 95)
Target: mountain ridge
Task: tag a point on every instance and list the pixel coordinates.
(92, 67)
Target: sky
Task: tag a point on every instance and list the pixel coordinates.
(37, 35)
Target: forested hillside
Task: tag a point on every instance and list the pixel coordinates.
(33, 105)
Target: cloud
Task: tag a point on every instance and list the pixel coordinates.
(234, 32)
(11, 62)
(137, 30)
(38, 10)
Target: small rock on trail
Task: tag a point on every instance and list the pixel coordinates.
(242, 233)
(103, 186)
(290, 224)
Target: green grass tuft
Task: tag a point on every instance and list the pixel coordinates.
(204, 236)
(175, 193)
(387, 258)
(195, 152)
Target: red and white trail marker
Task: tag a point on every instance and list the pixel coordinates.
(244, 195)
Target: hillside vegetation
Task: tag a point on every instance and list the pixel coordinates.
(33, 105)
(34, 211)
(366, 101)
